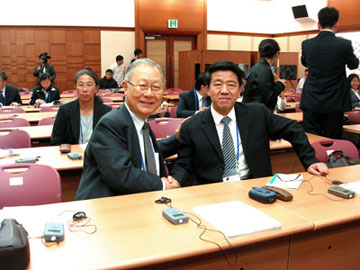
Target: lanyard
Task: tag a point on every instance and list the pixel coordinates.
(196, 100)
(237, 144)
(153, 152)
(47, 97)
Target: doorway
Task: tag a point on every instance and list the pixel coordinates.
(163, 49)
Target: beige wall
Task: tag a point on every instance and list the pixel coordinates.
(114, 43)
(251, 43)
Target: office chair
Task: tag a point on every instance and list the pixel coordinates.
(297, 108)
(14, 138)
(13, 122)
(354, 116)
(35, 184)
(164, 127)
(172, 111)
(174, 91)
(47, 121)
(68, 92)
(321, 148)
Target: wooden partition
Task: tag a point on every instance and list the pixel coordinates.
(194, 62)
(70, 48)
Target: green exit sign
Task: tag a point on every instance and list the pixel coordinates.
(172, 23)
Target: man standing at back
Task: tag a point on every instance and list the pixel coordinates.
(326, 94)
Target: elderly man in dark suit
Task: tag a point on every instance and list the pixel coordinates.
(9, 95)
(195, 100)
(123, 156)
(230, 141)
(326, 94)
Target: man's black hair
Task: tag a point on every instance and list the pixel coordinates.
(119, 58)
(268, 48)
(202, 79)
(110, 71)
(137, 52)
(3, 76)
(224, 66)
(328, 17)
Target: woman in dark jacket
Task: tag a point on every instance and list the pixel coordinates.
(354, 82)
(45, 91)
(76, 120)
(261, 86)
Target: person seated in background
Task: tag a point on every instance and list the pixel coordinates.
(45, 67)
(45, 91)
(9, 95)
(118, 69)
(138, 53)
(162, 111)
(281, 103)
(107, 82)
(195, 100)
(123, 156)
(301, 82)
(261, 85)
(354, 82)
(76, 120)
(230, 141)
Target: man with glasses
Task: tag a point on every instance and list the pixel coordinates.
(230, 141)
(123, 156)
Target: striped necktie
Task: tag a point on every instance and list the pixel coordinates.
(228, 149)
(2, 98)
(149, 157)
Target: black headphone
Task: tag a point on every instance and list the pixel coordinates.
(79, 216)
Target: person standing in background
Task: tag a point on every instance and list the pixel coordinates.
(261, 85)
(45, 67)
(138, 53)
(326, 96)
(118, 69)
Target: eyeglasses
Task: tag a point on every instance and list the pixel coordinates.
(143, 88)
(85, 86)
(297, 178)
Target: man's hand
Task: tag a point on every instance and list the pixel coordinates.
(177, 131)
(14, 104)
(318, 169)
(170, 182)
(41, 101)
(203, 109)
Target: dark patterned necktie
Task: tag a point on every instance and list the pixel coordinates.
(228, 149)
(149, 157)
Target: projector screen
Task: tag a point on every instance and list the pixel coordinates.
(109, 13)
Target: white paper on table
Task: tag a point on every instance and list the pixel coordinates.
(286, 181)
(354, 186)
(236, 218)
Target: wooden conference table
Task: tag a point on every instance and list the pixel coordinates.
(33, 118)
(316, 233)
(352, 128)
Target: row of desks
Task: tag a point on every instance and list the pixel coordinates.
(316, 232)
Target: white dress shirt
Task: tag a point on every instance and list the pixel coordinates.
(119, 73)
(139, 123)
(242, 166)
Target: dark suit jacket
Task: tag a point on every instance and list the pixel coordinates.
(67, 123)
(11, 95)
(112, 164)
(200, 148)
(355, 101)
(187, 104)
(38, 93)
(260, 86)
(108, 84)
(326, 88)
(49, 69)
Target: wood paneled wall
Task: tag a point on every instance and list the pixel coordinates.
(349, 14)
(151, 16)
(71, 49)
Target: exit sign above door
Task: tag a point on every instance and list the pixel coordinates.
(172, 23)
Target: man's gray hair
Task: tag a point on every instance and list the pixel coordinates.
(142, 61)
